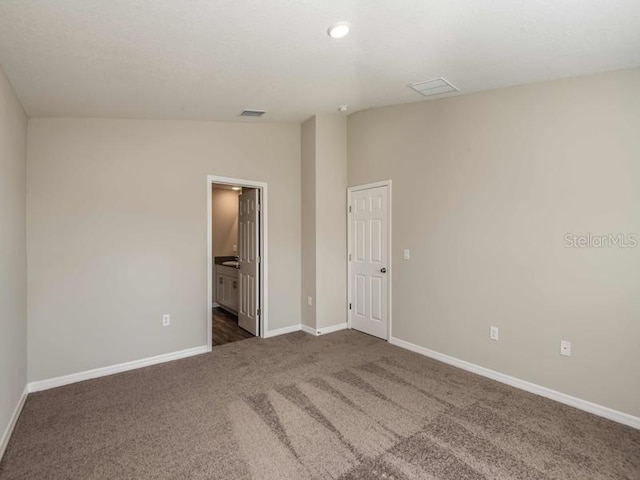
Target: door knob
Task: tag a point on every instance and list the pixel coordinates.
(383, 270)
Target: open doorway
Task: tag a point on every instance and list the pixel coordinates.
(236, 245)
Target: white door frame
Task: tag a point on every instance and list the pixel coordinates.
(350, 190)
(264, 287)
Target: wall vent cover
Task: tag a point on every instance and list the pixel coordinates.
(436, 86)
(252, 113)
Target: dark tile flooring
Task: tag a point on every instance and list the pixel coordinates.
(226, 329)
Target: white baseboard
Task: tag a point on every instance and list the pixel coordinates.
(215, 305)
(4, 440)
(121, 367)
(331, 329)
(309, 330)
(306, 329)
(323, 330)
(282, 331)
(578, 403)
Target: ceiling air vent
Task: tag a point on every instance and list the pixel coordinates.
(436, 86)
(252, 113)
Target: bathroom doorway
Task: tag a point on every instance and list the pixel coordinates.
(237, 260)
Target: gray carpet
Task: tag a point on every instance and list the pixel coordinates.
(342, 406)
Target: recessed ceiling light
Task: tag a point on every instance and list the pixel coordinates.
(339, 30)
(343, 108)
(236, 188)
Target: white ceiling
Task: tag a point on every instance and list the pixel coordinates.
(209, 59)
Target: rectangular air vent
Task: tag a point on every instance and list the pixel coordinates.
(252, 113)
(436, 86)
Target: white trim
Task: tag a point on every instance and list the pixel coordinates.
(331, 329)
(39, 385)
(4, 440)
(349, 302)
(309, 330)
(350, 190)
(390, 243)
(209, 321)
(264, 277)
(282, 331)
(578, 403)
(367, 186)
(306, 329)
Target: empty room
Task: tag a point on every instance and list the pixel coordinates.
(347, 240)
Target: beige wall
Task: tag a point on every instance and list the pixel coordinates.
(117, 233)
(224, 213)
(308, 221)
(485, 187)
(324, 220)
(331, 219)
(13, 258)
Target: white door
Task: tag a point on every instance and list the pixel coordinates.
(248, 274)
(368, 250)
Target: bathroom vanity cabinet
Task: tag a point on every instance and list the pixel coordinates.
(227, 287)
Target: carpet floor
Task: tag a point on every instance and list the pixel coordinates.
(342, 406)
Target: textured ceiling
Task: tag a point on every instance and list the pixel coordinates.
(209, 59)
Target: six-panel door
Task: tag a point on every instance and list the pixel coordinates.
(369, 262)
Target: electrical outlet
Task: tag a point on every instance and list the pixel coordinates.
(407, 254)
(494, 333)
(166, 320)
(565, 348)
(309, 300)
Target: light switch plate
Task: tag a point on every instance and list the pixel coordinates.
(494, 333)
(407, 254)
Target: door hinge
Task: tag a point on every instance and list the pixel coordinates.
(259, 207)
(259, 260)
(258, 312)
(349, 208)
(349, 306)
(349, 257)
